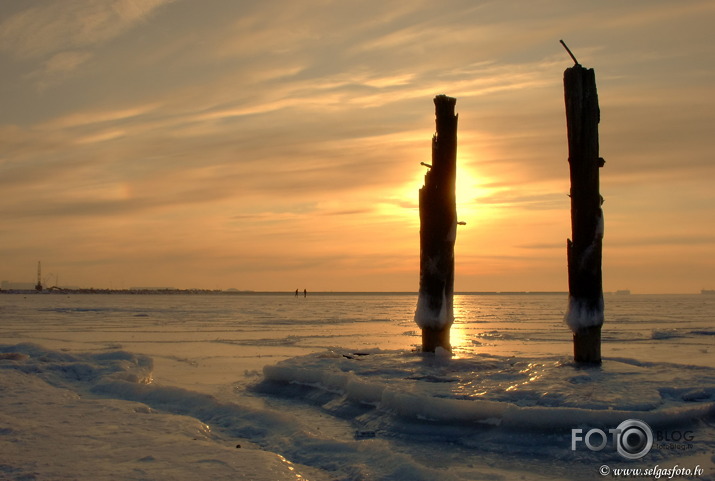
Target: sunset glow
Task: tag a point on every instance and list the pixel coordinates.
(277, 145)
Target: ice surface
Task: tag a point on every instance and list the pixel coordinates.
(145, 443)
(96, 386)
(48, 432)
(521, 394)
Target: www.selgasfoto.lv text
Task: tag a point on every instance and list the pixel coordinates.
(655, 472)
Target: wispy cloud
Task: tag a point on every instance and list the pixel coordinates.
(50, 27)
(241, 133)
(61, 37)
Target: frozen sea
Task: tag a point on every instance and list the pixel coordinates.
(333, 387)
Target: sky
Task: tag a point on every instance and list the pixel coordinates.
(276, 144)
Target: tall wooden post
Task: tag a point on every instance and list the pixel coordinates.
(438, 232)
(584, 249)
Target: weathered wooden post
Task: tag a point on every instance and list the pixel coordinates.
(584, 249)
(438, 232)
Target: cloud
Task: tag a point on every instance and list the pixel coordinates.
(59, 37)
(670, 241)
(65, 62)
(53, 27)
(550, 201)
(97, 117)
(236, 132)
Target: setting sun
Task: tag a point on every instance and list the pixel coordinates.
(470, 189)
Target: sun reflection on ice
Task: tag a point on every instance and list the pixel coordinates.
(533, 376)
(290, 467)
(462, 331)
(459, 338)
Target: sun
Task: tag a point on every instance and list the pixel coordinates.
(471, 187)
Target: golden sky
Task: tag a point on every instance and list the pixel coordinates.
(276, 144)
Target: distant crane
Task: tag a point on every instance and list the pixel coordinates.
(38, 286)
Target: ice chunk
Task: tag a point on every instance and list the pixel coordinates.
(393, 385)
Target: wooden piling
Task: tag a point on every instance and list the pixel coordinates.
(438, 232)
(584, 250)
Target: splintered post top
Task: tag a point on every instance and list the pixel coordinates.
(444, 142)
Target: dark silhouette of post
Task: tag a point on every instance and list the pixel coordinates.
(438, 232)
(584, 249)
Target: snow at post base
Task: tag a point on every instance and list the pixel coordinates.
(580, 314)
(426, 316)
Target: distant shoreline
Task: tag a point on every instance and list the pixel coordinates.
(218, 292)
(174, 292)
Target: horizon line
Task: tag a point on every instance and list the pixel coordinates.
(233, 291)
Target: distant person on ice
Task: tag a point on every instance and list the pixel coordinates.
(296, 293)
(305, 293)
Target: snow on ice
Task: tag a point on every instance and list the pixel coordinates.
(113, 388)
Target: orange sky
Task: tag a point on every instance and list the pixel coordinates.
(276, 145)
